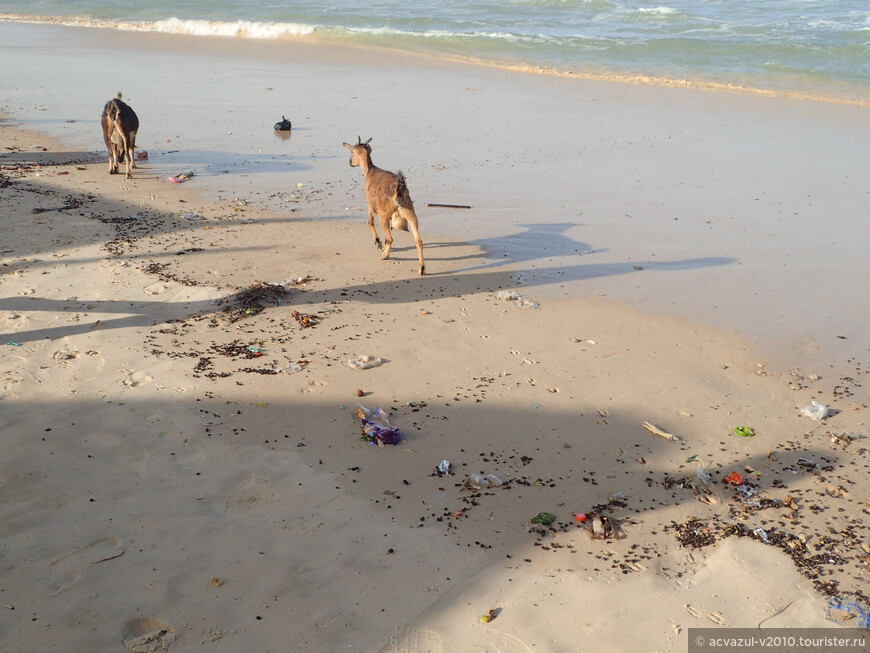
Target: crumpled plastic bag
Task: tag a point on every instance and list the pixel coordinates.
(519, 300)
(815, 411)
(364, 362)
(377, 428)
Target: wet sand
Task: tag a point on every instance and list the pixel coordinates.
(185, 467)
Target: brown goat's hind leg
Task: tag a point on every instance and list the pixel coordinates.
(411, 218)
(388, 236)
(374, 231)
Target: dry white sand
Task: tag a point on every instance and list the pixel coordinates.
(153, 486)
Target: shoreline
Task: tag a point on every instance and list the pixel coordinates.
(306, 38)
(174, 470)
(677, 159)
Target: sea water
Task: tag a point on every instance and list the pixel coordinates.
(819, 47)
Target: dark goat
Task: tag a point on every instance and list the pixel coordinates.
(120, 124)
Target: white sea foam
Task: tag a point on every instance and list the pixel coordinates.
(239, 28)
(661, 11)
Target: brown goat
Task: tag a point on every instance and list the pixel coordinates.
(387, 196)
(120, 124)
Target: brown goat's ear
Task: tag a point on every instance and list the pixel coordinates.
(348, 146)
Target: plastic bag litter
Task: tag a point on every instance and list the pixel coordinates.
(480, 481)
(519, 300)
(850, 614)
(525, 302)
(444, 467)
(364, 362)
(746, 494)
(544, 518)
(377, 428)
(704, 476)
(815, 411)
(762, 534)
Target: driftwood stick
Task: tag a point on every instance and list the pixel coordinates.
(652, 428)
(450, 206)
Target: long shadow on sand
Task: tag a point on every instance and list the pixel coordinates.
(282, 522)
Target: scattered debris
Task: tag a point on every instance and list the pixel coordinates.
(744, 431)
(377, 428)
(849, 614)
(652, 428)
(844, 439)
(815, 411)
(519, 300)
(479, 482)
(364, 362)
(762, 534)
(449, 206)
(544, 518)
(305, 320)
(180, 178)
(601, 528)
(253, 300)
(444, 467)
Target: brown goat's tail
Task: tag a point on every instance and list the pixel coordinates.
(403, 201)
(403, 197)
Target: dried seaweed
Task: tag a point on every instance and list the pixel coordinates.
(253, 300)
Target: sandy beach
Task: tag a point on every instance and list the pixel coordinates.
(183, 465)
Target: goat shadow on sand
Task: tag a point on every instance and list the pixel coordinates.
(547, 241)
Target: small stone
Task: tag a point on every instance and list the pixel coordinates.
(359, 393)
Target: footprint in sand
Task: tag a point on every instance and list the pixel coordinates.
(71, 568)
(715, 617)
(692, 610)
(148, 635)
(413, 640)
(135, 379)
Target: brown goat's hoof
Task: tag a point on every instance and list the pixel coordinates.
(422, 270)
(378, 243)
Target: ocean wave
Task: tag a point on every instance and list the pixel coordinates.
(658, 11)
(444, 35)
(239, 28)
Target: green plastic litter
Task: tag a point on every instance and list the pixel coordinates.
(545, 518)
(744, 431)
